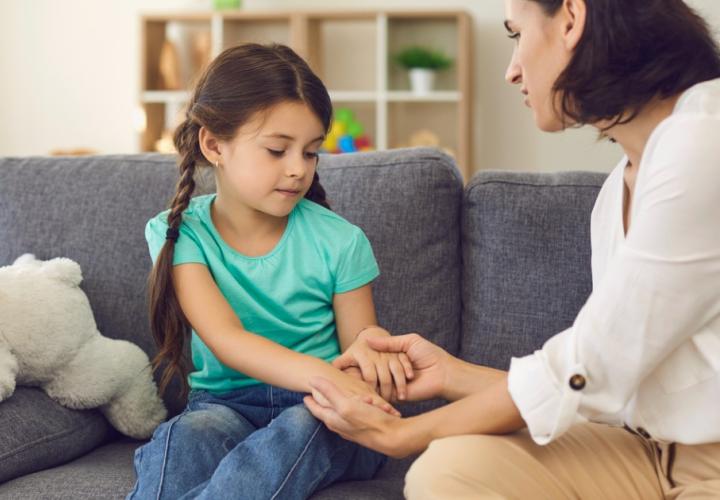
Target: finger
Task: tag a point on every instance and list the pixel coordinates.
(398, 375)
(329, 391)
(320, 399)
(344, 361)
(384, 406)
(399, 343)
(369, 374)
(319, 412)
(354, 372)
(385, 378)
(407, 365)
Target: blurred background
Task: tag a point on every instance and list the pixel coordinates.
(103, 77)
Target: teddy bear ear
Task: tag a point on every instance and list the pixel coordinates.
(63, 269)
(27, 259)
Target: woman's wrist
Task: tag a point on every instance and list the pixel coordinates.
(463, 378)
(407, 436)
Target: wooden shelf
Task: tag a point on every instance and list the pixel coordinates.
(350, 50)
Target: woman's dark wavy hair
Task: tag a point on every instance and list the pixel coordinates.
(631, 52)
(241, 82)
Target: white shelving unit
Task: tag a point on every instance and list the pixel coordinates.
(351, 51)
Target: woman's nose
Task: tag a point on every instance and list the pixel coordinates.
(513, 74)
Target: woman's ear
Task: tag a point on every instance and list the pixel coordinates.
(575, 14)
(209, 146)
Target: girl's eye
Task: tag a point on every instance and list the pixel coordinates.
(276, 153)
(514, 36)
(311, 156)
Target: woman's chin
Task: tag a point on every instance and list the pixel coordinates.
(548, 123)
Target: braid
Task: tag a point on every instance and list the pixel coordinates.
(169, 325)
(317, 193)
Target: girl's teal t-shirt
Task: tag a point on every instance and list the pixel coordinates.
(285, 295)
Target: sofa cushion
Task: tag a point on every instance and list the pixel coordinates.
(38, 433)
(106, 472)
(526, 254)
(408, 203)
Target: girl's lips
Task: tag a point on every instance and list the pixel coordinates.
(287, 192)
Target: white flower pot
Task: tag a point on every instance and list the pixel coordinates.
(422, 80)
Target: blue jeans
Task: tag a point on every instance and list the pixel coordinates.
(255, 443)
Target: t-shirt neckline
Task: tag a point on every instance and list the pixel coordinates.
(207, 218)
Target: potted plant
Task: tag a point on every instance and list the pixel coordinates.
(422, 64)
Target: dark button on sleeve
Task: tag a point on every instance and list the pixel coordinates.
(577, 382)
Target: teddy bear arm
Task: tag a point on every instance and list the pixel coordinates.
(8, 371)
(101, 368)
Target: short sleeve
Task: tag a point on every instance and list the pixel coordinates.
(357, 265)
(187, 247)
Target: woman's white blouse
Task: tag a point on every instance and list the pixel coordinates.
(644, 350)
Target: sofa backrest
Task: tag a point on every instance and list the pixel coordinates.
(94, 209)
(526, 260)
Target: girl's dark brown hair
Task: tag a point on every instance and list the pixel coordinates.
(241, 82)
(631, 52)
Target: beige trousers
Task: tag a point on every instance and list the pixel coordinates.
(590, 461)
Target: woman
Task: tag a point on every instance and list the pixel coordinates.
(627, 400)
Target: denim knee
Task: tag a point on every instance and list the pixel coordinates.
(187, 449)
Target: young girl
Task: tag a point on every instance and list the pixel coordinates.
(273, 284)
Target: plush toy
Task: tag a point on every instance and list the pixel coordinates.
(48, 338)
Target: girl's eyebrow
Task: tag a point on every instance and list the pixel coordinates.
(291, 138)
(508, 27)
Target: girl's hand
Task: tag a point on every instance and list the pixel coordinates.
(431, 363)
(354, 387)
(386, 372)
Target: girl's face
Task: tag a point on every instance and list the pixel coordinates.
(543, 48)
(270, 163)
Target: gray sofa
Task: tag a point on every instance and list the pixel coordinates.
(487, 271)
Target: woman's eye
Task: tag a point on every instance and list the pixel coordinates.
(275, 152)
(514, 36)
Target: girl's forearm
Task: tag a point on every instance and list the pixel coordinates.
(490, 410)
(271, 363)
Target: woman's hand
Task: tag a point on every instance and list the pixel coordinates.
(386, 372)
(351, 386)
(431, 364)
(355, 420)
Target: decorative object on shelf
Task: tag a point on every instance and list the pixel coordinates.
(227, 4)
(422, 64)
(201, 50)
(169, 66)
(165, 143)
(425, 138)
(74, 152)
(346, 135)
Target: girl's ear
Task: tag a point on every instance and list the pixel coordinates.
(209, 146)
(574, 13)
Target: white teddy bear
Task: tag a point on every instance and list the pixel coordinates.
(48, 338)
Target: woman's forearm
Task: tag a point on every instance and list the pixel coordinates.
(489, 410)
(464, 378)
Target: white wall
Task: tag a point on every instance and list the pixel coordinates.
(69, 77)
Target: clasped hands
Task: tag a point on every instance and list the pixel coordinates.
(400, 368)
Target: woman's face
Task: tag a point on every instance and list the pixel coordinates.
(542, 51)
